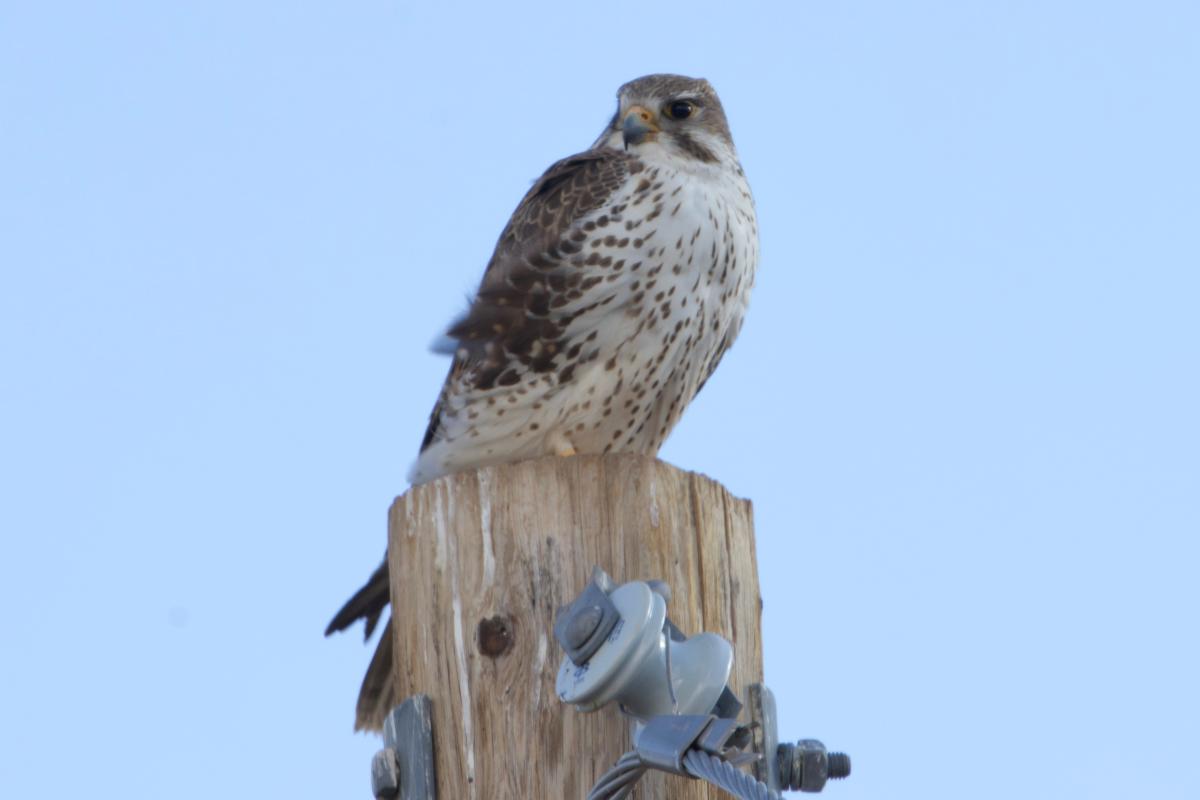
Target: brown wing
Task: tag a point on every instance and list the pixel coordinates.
(514, 317)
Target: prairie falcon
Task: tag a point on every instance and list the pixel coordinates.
(614, 290)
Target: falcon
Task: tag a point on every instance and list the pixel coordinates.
(615, 289)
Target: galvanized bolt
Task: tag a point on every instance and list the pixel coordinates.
(806, 765)
(385, 774)
(583, 624)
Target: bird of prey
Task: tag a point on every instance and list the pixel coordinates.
(614, 290)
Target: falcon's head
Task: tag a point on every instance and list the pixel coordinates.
(680, 115)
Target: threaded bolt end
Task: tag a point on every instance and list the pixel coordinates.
(839, 766)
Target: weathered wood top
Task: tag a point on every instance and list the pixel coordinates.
(481, 561)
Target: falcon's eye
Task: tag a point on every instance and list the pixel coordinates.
(680, 109)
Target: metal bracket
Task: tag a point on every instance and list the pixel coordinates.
(692, 745)
(404, 768)
(664, 741)
(760, 703)
(806, 765)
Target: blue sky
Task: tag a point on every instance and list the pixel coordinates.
(964, 402)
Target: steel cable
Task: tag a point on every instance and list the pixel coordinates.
(619, 780)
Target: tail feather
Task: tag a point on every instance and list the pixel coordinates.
(377, 695)
(367, 604)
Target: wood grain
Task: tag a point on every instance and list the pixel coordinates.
(506, 547)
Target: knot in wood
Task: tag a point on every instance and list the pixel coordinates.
(494, 636)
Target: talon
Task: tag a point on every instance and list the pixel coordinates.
(562, 446)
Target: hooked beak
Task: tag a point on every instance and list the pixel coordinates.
(639, 125)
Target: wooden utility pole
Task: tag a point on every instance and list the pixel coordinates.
(481, 561)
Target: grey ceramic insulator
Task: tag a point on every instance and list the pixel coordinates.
(632, 668)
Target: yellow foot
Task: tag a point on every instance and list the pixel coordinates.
(562, 446)
(566, 451)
